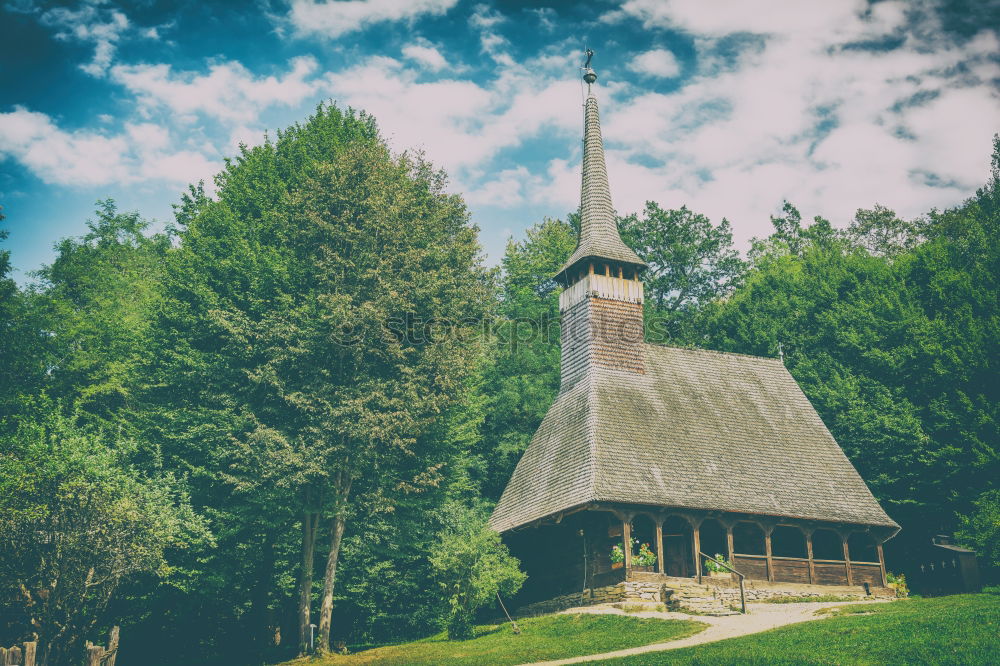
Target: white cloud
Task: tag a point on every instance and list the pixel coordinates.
(657, 62)
(797, 115)
(459, 123)
(101, 26)
(338, 17)
(82, 158)
(426, 54)
(228, 92)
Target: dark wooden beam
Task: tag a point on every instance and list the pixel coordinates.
(627, 538)
(809, 554)
(847, 559)
(767, 551)
(659, 545)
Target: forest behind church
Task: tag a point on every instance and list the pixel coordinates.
(292, 404)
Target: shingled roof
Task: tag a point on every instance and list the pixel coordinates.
(700, 430)
(599, 238)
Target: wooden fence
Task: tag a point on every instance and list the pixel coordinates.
(19, 656)
(94, 655)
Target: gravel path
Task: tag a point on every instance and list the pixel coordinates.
(760, 617)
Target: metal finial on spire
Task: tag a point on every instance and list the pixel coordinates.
(589, 75)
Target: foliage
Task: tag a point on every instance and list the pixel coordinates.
(297, 368)
(77, 521)
(898, 582)
(543, 638)
(980, 530)
(472, 566)
(690, 262)
(98, 298)
(711, 565)
(645, 557)
(617, 554)
(956, 629)
(523, 378)
(894, 352)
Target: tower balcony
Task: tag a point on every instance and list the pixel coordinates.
(601, 286)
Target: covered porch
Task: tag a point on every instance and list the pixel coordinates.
(767, 548)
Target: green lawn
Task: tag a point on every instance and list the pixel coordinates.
(541, 638)
(962, 629)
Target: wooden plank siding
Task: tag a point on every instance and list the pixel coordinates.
(752, 566)
(867, 572)
(791, 569)
(830, 572)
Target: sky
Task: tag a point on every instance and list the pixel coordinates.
(729, 107)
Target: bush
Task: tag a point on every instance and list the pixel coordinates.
(472, 566)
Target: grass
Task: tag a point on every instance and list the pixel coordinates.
(960, 629)
(796, 600)
(541, 638)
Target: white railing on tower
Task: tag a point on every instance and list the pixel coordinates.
(602, 286)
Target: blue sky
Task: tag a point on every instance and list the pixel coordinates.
(728, 107)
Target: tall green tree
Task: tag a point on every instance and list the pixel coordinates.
(690, 262)
(326, 308)
(98, 298)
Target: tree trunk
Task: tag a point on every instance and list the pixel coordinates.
(326, 607)
(309, 521)
(329, 578)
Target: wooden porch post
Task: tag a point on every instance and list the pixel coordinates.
(847, 559)
(659, 545)
(881, 562)
(767, 551)
(729, 545)
(627, 537)
(809, 554)
(696, 536)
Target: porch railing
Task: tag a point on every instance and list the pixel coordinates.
(743, 596)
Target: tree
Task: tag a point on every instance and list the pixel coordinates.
(77, 521)
(523, 378)
(691, 261)
(24, 348)
(98, 298)
(882, 232)
(328, 305)
(472, 566)
(981, 529)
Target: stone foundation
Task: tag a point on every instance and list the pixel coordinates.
(756, 590)
(715, 596)
(589, 597)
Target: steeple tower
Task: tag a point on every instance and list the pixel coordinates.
(601, 306)
(599, 240)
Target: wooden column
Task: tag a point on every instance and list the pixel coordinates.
(847, 559)
(627, 538)
(730, 554)
(881, 562)
(696, 538)
(659, 545)
(767, 551)
(809, 554)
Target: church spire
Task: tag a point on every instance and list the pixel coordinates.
(599, 239)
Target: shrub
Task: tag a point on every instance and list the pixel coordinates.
(472, 566)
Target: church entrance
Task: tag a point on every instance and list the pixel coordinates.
(678, 560)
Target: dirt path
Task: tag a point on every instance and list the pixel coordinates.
(761, 617)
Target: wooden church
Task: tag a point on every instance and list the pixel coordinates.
(692, 452)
